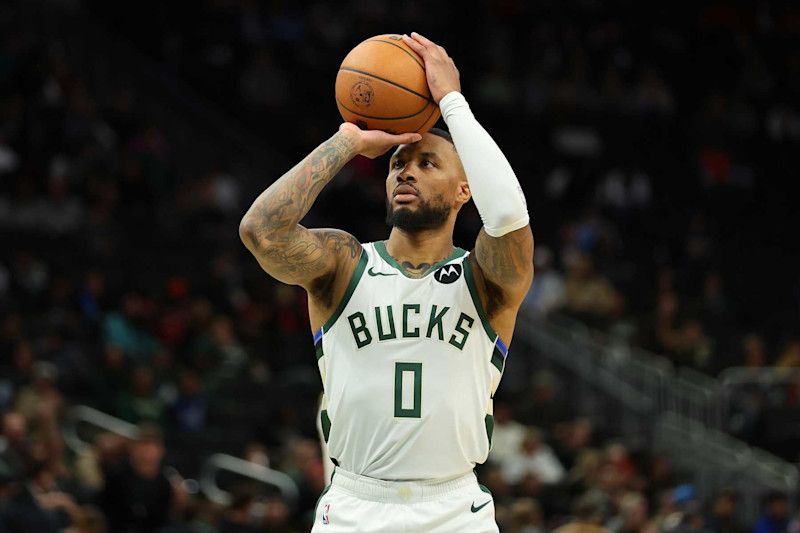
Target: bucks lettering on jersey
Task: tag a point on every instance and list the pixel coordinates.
(409, 368)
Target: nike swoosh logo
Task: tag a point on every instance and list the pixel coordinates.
(371, 273)
(478, 508)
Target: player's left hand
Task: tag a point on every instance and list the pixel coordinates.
(374, 143)
(442, 73)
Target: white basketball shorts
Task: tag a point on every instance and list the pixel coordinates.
(358, 504)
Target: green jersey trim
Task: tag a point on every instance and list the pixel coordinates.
(326, 424)
(348, 293)
(489, 421)
(380, 247)
(476, 299)
(319, 500)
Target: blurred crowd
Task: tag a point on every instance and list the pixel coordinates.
(656, 146)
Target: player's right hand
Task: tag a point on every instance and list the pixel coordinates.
(440, 70)
(374, 143)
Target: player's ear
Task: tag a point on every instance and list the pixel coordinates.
(463, 193)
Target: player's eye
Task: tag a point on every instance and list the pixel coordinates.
(428, 163)
(397, 163)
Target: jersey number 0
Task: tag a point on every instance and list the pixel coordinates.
(407, 375)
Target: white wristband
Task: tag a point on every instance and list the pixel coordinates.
(494, 186)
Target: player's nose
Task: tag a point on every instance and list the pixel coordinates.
(404, 177)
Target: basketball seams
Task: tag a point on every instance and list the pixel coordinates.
(365, 73)
(433, 111)
(401, 48)
(380, 118)
(356, 82)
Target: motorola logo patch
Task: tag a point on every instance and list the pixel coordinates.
(448, 273)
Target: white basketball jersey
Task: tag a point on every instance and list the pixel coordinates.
(409, 368)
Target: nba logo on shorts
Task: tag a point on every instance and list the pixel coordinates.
(325, 511)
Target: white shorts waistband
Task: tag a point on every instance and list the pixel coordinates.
(399, 491)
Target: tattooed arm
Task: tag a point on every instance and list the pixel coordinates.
(503, 258)
(506, 264)
(503, 269)
(271, 228)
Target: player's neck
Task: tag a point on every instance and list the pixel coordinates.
(419, 247)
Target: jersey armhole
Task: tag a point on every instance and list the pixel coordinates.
(500, 350)
(348, 293)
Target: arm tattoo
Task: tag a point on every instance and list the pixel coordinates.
(506, 260)
(507, 266)
(287, 201)
(271, 227)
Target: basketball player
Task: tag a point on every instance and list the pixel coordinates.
(411, 333)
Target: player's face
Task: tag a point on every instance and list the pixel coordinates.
(426, 184)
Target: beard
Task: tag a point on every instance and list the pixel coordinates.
(429, 214)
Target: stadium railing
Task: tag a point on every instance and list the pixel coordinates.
(82, 424)
(718, 461)
(781, 385)
(645, 400)
(223, 462)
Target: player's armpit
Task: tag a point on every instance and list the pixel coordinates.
(507, 263)
(302, 256)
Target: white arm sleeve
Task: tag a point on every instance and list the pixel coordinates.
(495, 189)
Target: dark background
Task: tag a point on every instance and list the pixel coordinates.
(657, 145)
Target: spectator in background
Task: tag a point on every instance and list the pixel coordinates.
(63, 213)
(633, 514)
(588, 515)
(245, 513)
(14, 431)
(191, 406)
(526, 517)
(572, 440)
(714, 309)
(532, 457)
(685, 515)
(748, 401)
(775, 515)
(108, 454)
(19, 509)
(138, 498)
(20, 372)
(587, 294)
(616, 455)
(691, 520)
(755, 351)
(217, 351)
(110, 377)
(542, 407)
(141, 403)
(547, 290)
(667, 335)
(54, 500)
(790, 355)
(41, 401)
(92, 296)
(693, 347)
(88, 519)
(720, 518)
(31, 275)
(508, 434)
(125, 329)
(794, 525)
(660, 477)
(585, 471)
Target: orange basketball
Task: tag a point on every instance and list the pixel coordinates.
(381, 85)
